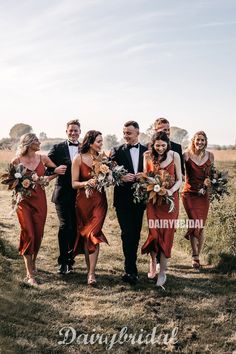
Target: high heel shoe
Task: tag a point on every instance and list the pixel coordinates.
(91, 279)
(196, 264)
(195, 261)
(152, 273)
(161, 280)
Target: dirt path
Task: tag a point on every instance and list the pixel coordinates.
(198, 306)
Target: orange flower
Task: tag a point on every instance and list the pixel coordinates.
(104, 169)
(26, 183)
(162, 191)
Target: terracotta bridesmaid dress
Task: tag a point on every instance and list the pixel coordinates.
(161, 239)
(90, 214)
(196, 205)
(32, 213)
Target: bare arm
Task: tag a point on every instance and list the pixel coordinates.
(146, 157)
(178, 172)
(75, 173)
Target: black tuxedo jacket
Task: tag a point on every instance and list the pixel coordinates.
(63, 191)
(123, 195)
(178, 148)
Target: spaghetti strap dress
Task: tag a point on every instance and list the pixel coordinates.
(32, 213)
(90, 215)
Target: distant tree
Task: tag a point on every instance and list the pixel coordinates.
(110, 141)
(19, 129)
(150, 131)
(42, 136)
(7, 143)
(144, 138)
(178, 135)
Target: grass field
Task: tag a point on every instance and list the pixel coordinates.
(199, 305)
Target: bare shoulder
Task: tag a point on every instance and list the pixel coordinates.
(211, 156)
(77, 159)
(15, 161)
(176, 156)
(44, 158)
(186, 155)
(147, 154)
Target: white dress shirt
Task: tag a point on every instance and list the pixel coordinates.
(134, 153)
(73, 150)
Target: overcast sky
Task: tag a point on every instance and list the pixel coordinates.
(108, 61)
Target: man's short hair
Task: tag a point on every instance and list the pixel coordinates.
(159, 121)
(73, 121)
(133, 123)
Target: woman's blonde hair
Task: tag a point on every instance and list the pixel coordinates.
(191, 147)
(25, 142)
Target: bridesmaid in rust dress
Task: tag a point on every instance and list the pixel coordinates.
(195, 196)
(160, 239)
(32, 210)
(90, 212)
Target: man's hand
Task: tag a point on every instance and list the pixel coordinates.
(130, 177)
(60, 170)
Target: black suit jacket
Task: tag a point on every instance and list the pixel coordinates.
(63, 191)
(178, 148)
(123, 195)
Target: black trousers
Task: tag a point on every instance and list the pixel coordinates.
(67, 231)
(130, 219)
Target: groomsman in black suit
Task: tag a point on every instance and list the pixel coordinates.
(129, 214)
(162, 124)
(64, 195)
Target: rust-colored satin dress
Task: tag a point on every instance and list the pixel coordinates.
(196, 205)
(90, 215)
(32, 213)
(161, 239)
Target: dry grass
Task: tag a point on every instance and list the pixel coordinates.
(224, 155)
(31, 318)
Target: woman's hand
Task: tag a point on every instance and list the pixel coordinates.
(91, 182)
(207, 182)
(138, 175)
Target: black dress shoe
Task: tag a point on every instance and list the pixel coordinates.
(132, 279)
(63, 269)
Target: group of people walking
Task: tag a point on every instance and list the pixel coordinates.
(81, 219)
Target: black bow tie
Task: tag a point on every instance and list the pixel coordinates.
(72, 144)
(129, 146)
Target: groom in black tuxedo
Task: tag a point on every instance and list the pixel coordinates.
(129, 214)
(64, 195)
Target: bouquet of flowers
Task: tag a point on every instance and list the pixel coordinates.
(21, 183)
(215, 183)
(106, 173)
(152, 186)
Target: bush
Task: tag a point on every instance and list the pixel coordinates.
(221, 230)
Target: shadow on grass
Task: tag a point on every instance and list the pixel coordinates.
(7, 249)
